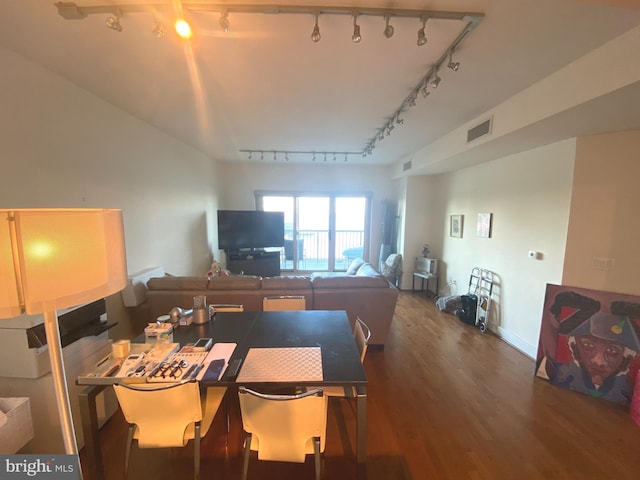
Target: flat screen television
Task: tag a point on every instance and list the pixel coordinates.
(250, 229)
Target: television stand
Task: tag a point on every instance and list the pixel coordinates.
(258, 263)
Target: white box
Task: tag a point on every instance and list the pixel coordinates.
(135, 292)
(160, 333)
(427, 265)
(16, 427)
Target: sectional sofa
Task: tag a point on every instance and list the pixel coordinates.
(361, 291)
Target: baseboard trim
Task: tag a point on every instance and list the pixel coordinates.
(518, 343)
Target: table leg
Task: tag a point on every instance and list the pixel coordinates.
(361, 432)
(91, 431)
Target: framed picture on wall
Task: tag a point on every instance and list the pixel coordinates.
(456, 226)
(483, 227)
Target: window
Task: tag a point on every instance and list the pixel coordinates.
(322, 232)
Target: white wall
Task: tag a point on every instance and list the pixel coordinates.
(604, 211)
(240, 182)
(529, 196)
(421, 223)
(64, 147)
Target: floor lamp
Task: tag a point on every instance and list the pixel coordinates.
(58, 258)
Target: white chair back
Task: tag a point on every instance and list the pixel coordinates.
(285, 302)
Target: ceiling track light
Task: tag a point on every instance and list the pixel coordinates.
(435, 80)
(224, 21)
(158, 29)
(71, 11)
(388, 29)
(315, 35)
(455, 66)
(183, 29)
(356, 37)
(285, 154)
(113, 21)
(422, 36)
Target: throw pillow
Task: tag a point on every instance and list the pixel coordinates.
(355, 265)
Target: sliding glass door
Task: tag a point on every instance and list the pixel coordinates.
(322, 232)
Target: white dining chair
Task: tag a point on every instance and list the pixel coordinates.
(361, 334)
(283, 428)
(284, 302)
(168, 415)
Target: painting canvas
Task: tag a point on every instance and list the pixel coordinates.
(589, 342)
(483, 226)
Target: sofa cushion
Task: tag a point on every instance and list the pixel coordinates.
(177, 283)
(349, 281)
(286, 283)
(235, 282)
(355, 265)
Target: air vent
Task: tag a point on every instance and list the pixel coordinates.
(406, 166)
(479, 130)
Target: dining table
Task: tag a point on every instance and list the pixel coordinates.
(317, 346)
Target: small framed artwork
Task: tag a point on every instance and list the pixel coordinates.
(456, 226)
(483, 227)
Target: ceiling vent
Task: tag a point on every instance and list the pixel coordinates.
(479, 130)
(406, 166)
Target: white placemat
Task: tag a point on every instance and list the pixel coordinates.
(302, 364)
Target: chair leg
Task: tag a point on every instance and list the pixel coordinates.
(316, 452)
(247, 453)
(127, 452)
(196, 452)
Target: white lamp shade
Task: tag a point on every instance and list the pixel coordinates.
(65, 258)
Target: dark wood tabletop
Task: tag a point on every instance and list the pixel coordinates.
(328, 329)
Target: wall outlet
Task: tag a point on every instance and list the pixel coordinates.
(603, 263)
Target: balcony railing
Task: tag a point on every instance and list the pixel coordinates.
(313, 249)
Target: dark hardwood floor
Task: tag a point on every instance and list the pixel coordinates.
(445, 401)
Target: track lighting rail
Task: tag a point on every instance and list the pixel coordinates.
(72, 11)
(431, 80)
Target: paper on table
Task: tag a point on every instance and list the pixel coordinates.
(282, 365)
(219, 350)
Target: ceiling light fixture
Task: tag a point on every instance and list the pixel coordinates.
(113, 21)
(224, 21)
(435, 80)
(356, 37)
(158, 29)
(315, 35)
(183, 29)
(388, 29)
(72, 11)
(422, 36)
(453, 65)
(297, 155)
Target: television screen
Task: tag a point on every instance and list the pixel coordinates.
(242, 229)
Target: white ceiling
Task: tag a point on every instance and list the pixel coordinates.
(264, 85)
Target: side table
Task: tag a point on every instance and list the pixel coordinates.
(425, 276)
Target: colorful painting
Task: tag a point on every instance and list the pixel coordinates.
(589, 342)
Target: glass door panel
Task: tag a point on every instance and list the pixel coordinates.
(350, 228)
(288, 255)
(313, 231)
